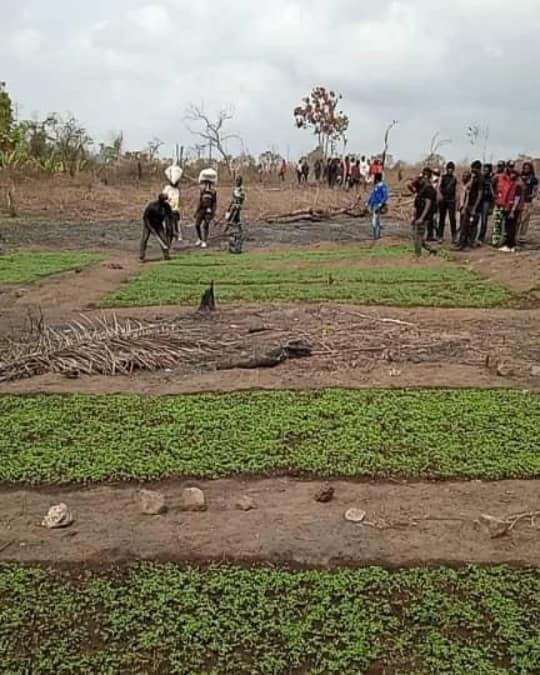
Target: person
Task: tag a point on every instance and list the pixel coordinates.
(530, 181)
(501, 187)
(305, 171)
(447, 202)
(206, 210)
(317, 169)
(172, 192)
(471, 208)
(355, 175)
(425, 204)
(346, 167)
(364, 170)
(157, 220)
(377, 204)
(515, 201)
(432, 225)
(299, 172)
(282, 169)
(488, 201)
(234, 225)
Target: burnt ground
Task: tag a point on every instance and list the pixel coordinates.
(408, 523)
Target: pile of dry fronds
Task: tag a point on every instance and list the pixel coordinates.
(106, 346)
(112, 346)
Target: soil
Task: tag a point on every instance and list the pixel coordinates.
(406, 524)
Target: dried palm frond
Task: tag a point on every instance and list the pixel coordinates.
(106, 346)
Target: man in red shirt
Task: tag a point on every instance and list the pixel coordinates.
(515, 201)
(501, 186)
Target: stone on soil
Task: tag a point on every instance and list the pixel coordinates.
(495, 526)
(355, 515)
(152, 503)
(57, 516)
(246, 504)
(193, 499)
(325, 494)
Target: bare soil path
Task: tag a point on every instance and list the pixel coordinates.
(406, 524)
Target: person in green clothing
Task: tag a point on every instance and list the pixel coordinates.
(234, 226)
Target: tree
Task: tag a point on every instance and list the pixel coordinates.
(269, 161)
(389, 128)
(475, 133)
(318, 111)
(212, 130)
(6, 117)
(434, 156)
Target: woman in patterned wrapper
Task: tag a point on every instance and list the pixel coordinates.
(172, 191)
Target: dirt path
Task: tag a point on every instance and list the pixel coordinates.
(406, 524)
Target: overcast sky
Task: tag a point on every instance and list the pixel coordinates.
(134, 65)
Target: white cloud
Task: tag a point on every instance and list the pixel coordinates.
(136, 64)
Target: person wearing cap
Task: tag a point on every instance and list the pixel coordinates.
(501, 186)
(447, 195)
(530, 182)
(515, 200)
(425, 204)
(471, 210)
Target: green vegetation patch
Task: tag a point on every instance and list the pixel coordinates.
(25, 266)
(348, 274)
(378, 433)
(152, 618)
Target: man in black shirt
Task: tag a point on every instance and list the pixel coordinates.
(530, 182)
(447, 201)
(488, 201)
(471, 209)
(425, 204)
(157, 220)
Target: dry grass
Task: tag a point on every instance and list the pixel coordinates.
(87, 199)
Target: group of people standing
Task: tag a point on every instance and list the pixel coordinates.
(347, 172)
(506, 194)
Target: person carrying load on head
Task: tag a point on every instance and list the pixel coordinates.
(234, 226)
(206, 209)
(172, 191)
(157, 220)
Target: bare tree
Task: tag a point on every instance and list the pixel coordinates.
(436, 144)
(389, 128)
(212, 130)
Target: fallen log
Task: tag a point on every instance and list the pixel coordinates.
(295, 349)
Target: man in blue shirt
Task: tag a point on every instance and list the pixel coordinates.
(377, 204)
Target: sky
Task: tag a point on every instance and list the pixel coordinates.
(134, 66)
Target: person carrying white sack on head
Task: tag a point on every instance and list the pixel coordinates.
(172, 191)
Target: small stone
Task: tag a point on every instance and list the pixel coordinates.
(495, 526)
(246, 503)
(57, 516)
(355, 515)
(193, 499)
(535, 371)
(152, 503)
(503, 370)
(325, 494)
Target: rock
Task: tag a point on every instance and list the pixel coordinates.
(152, 503)
(246, 503)
(495, 526)
(325, 494)
(193, 499)
(355, 515)
(535, 371)
(57, 516)
(503, 370)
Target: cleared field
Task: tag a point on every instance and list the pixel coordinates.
(25, 266)
(224, 619)
(377, 433)
(347, 274)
